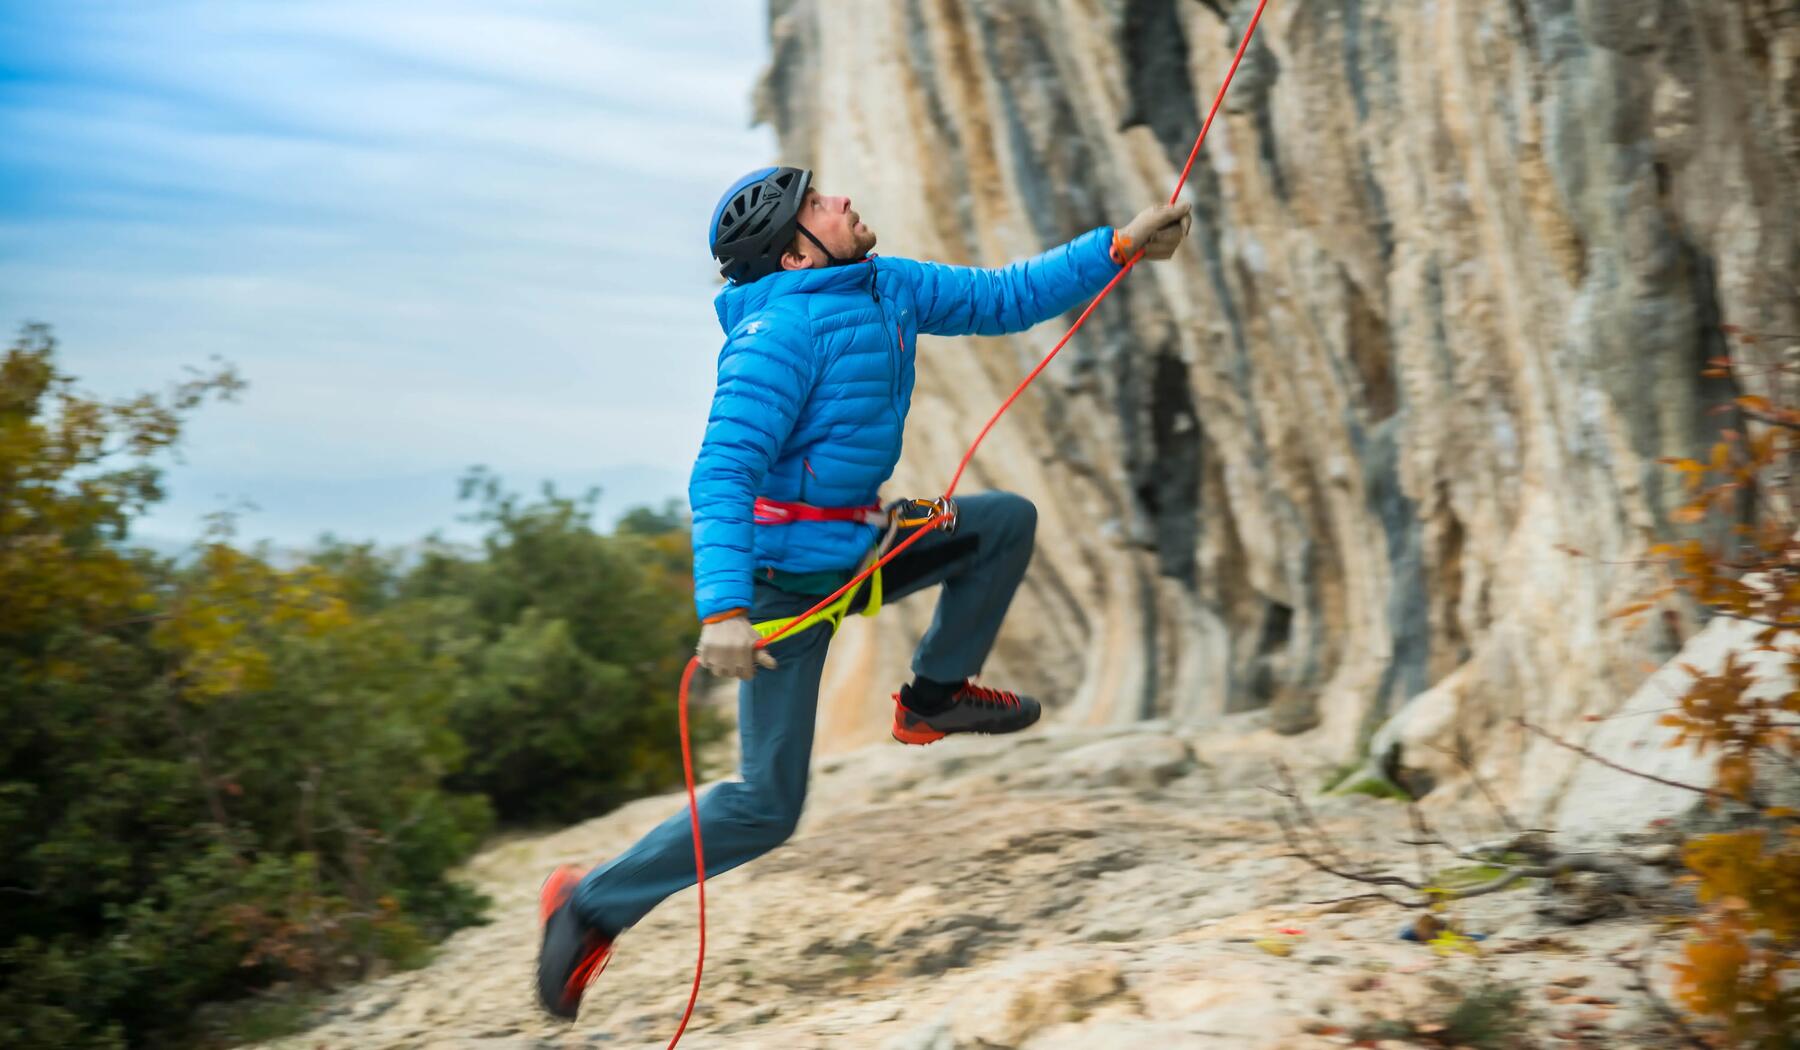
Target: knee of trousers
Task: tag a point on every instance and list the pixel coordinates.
(774, 829)
(766, 819)
(1018, 517)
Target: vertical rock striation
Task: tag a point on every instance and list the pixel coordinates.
(1454, 270)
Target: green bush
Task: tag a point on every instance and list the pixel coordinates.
(221, 777)
(567, 697)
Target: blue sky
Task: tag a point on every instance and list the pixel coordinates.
(430, 233)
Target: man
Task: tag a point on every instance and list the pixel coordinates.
(814, 384)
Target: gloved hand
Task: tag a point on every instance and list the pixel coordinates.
(1158, 230)
(728, 648)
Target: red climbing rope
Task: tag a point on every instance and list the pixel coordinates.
(687, 676)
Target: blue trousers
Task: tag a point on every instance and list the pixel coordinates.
(980, 566)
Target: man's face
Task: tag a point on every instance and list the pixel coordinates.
(834, 222)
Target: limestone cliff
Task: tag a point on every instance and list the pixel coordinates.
(1455, 268)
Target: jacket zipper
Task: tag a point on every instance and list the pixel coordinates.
(899, 350)
(899, 362)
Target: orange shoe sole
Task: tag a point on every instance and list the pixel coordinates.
(916, 736)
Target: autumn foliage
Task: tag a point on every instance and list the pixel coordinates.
(1740, 965)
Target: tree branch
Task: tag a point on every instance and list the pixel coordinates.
(1763, 417)
(1604, 863)
(133, 621)
(1370, 896)
(1465, 757)
(1290, 791)
(1610, 764)
(1300, 852)
(1335, 862)
(1420, 827)
(1777, 624)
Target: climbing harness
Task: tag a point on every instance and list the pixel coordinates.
(775, 512)
(938, 513)
(832, 614)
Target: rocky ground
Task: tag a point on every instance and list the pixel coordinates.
(1058, 890)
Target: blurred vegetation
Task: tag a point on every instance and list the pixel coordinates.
(1739, 971)
(226, 774)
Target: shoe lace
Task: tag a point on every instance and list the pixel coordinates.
(590, 967)
(983, 695)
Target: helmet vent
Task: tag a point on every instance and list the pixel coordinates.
(755, 222)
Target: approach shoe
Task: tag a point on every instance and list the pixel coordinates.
(573, 953)
(973, 709)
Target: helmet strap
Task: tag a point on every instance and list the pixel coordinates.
(830, 259)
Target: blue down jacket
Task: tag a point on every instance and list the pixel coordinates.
(814, 384)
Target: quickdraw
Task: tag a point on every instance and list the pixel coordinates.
(913, 513)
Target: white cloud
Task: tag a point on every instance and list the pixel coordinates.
(429, 233)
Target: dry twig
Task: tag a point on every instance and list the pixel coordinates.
(1308, 841)
(1608, 763)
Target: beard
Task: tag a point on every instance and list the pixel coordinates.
(863, 238)
(853, 246)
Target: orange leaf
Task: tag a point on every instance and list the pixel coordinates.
(1736, 775)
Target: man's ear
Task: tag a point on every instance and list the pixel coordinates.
(793, 260)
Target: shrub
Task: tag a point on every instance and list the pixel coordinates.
(214, 777)
(1740, 965)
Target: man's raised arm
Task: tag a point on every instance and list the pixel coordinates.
(964, 300)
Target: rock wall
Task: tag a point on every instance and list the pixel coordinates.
(1455, 268)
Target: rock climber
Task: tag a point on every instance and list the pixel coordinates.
(814, 383)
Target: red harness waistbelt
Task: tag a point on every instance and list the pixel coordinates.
(775, 512)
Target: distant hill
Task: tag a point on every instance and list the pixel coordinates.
(397, 510)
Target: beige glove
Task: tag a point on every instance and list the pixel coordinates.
(1158, 230)
(728, 648)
